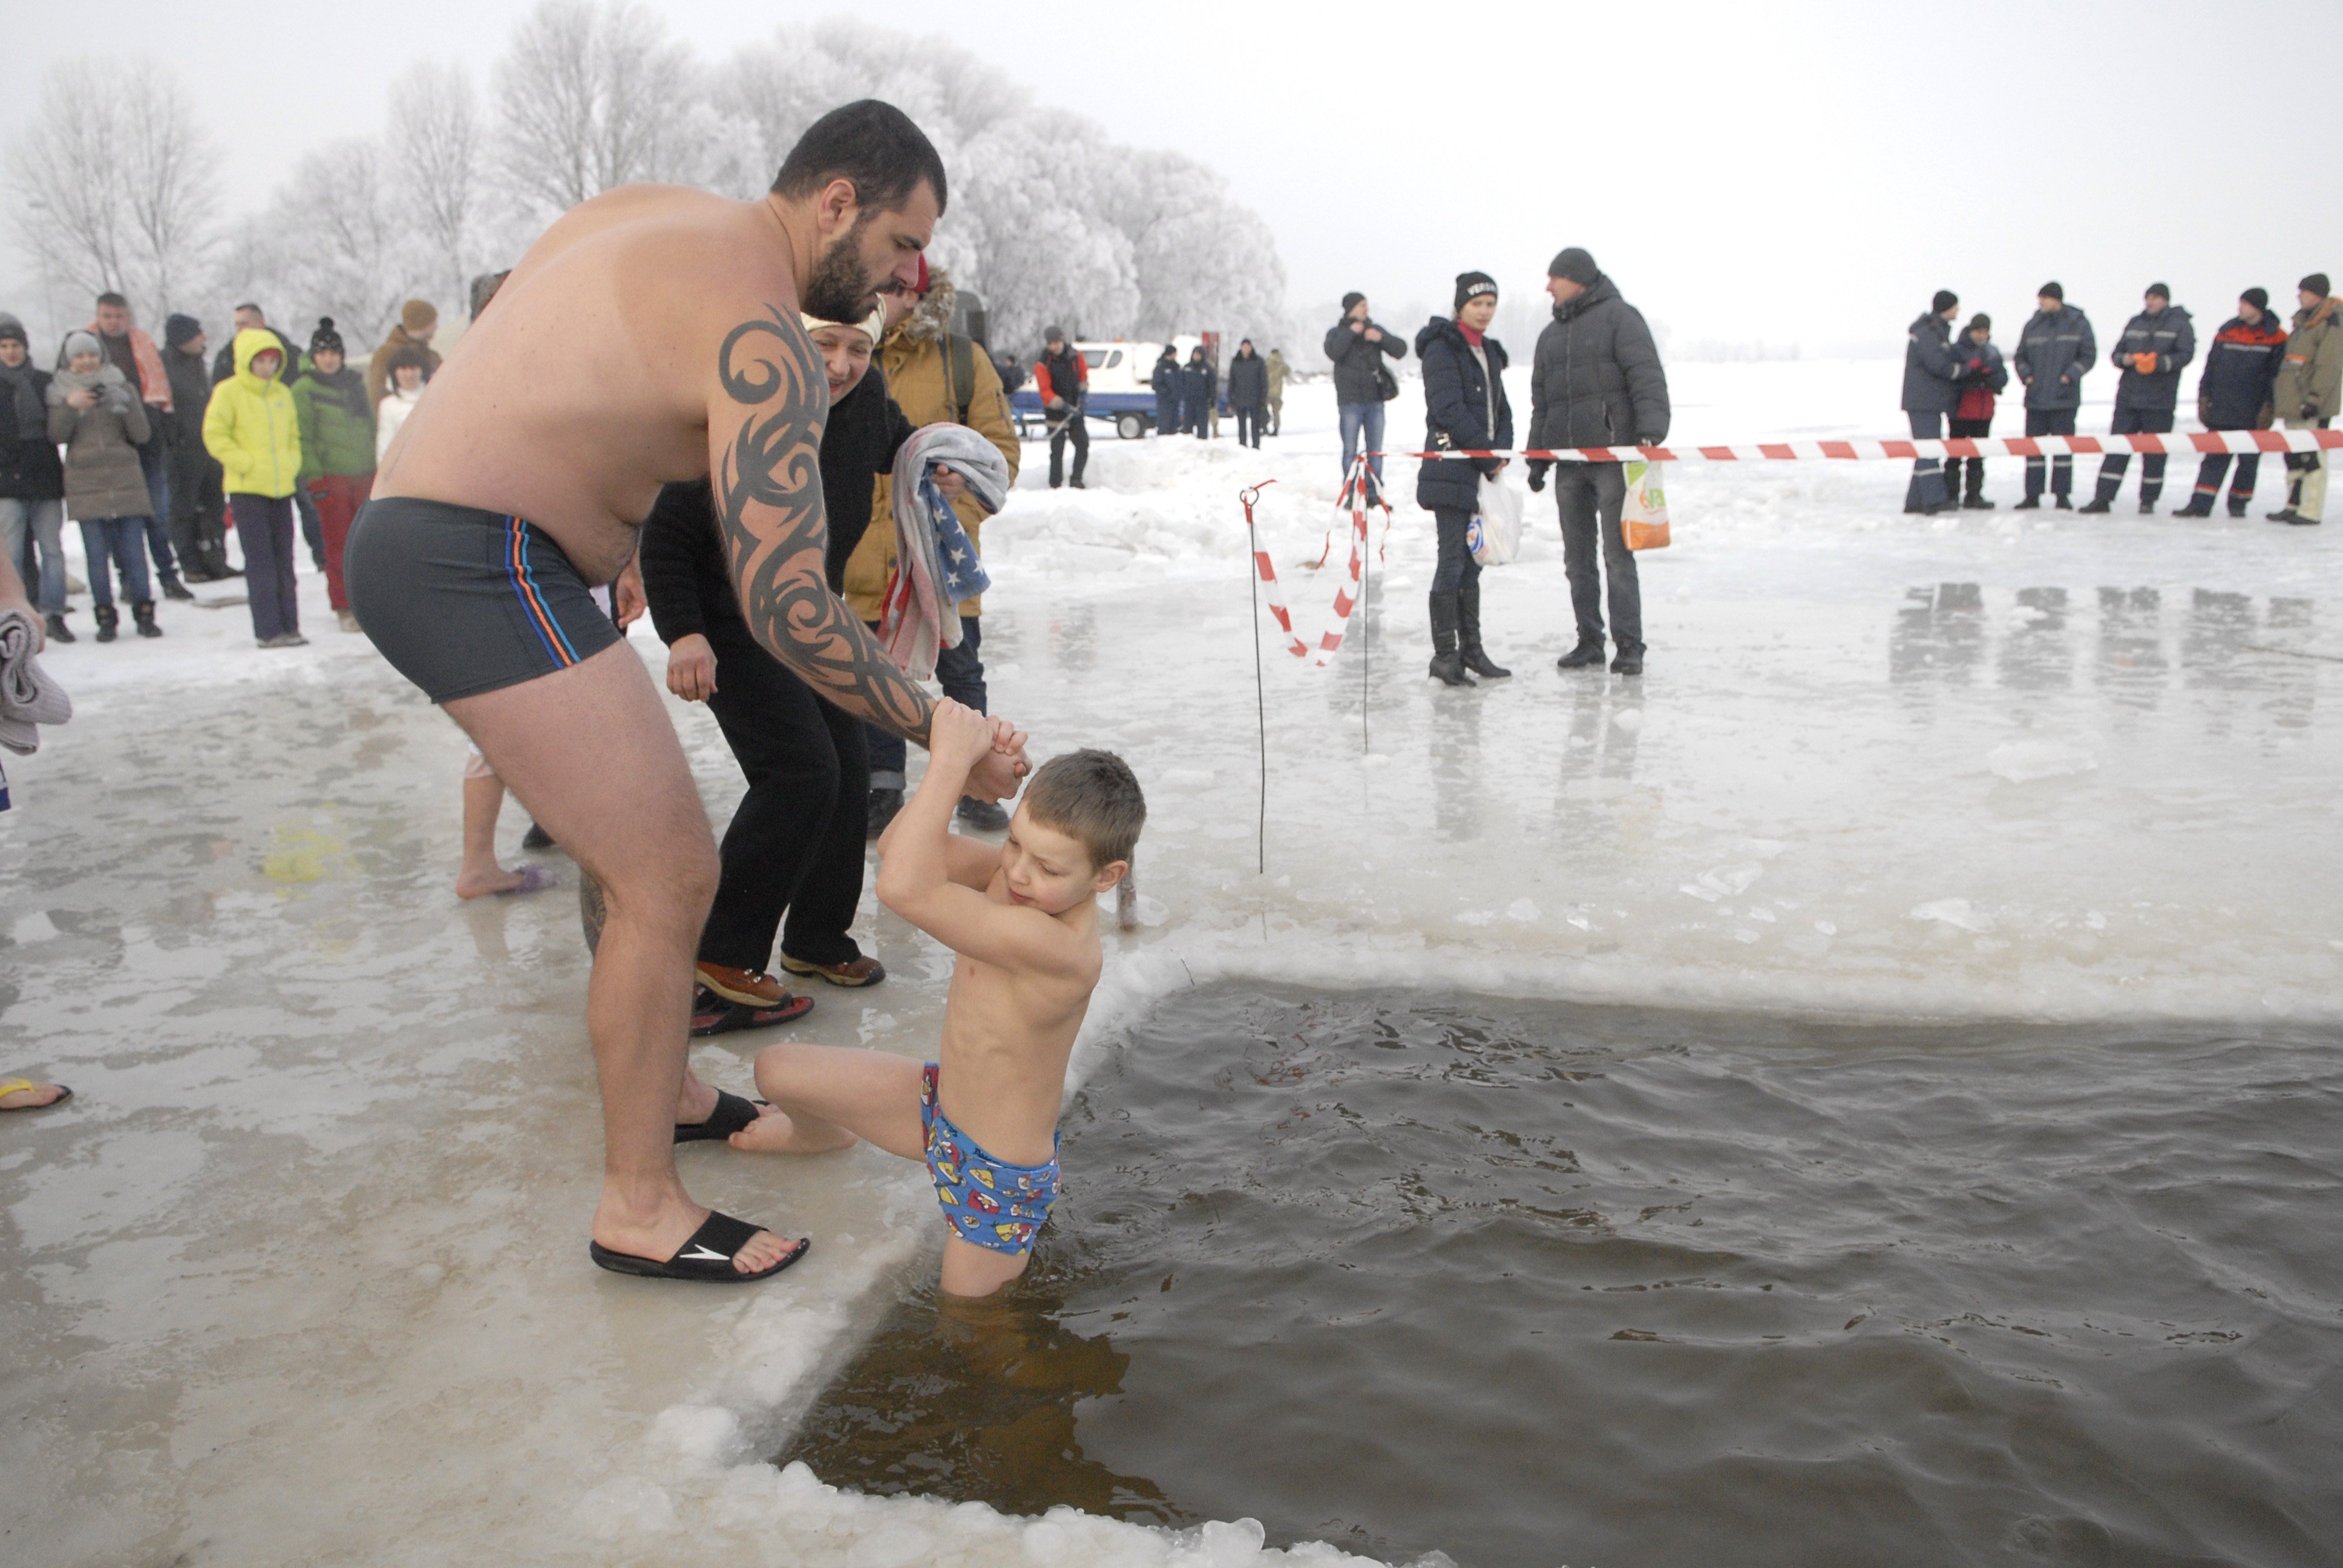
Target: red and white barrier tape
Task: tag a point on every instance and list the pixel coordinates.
(1346, 592)
(2183, 444)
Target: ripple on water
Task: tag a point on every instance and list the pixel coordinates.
(1531, 1283)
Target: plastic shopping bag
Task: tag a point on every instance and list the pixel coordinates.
(1645, 521)
(1495, 536)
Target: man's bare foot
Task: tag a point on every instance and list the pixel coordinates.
(661, 1235)
(496, 881)
(773, 1132)
(24, 1094)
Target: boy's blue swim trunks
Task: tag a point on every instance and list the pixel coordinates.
(987, 1201)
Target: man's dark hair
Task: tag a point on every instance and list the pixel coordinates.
(871, 144)
(110, 297)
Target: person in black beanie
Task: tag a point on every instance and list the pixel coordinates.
(2155, 347)
(1357, 345)
(199, 520)
(1932, 393)
(2234, 394)
(2054, 352)
(1596, 382)
(1464, 408)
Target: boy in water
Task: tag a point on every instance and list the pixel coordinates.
(1024, 920)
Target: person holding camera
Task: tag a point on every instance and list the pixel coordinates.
(1362, 383)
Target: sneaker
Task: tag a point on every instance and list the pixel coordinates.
(984, 816)
(711, 1014)
(858, 972)
(751, 987)
(884, 804)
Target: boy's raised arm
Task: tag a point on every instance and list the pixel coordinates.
(916, 876)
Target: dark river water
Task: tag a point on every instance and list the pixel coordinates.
(1538, 1284)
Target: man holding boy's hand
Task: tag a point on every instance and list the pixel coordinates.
(1023, 919)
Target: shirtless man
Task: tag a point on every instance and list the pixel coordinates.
(650, 335)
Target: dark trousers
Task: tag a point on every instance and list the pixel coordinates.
(1973, 430)
(1249, 421)
(794, 842)
(264, 524)
(199, 533)
(155, 467)
(117, 541)
(960, 673)
(1457, 569)
(313, 526)
(1928, 487)
(1075, 429)
(2050, 422)
(1590, 497)
(1200, 420)
(2135, 422)
(1167, 415)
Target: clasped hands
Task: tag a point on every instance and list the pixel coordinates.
(991, 750)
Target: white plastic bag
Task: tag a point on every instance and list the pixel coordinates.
(1643, 520)
(1495, 535)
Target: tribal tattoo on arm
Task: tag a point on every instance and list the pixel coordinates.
(767, 484)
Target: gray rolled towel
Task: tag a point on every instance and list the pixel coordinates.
(29, 695)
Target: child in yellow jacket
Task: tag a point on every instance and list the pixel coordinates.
(253, 428)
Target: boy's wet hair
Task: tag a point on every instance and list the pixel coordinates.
(1092, 796)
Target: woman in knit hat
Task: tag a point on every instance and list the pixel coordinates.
(336, 450)
(97, 415)
(1465, 409)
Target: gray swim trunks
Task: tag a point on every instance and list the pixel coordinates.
(463, 601)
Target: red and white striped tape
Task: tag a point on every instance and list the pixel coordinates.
(1346, 591)
(2207, 442)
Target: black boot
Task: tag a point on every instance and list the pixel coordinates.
(1629, 662)
(58, 631)
(142, 612)
(1468, 635)
(1586, 653)
(2200, 506)
(172, 588)
(1446, 667)
(2238, 504)
(884, 804)
(108, 620)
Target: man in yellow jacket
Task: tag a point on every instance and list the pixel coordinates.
(252, 427)
(935, 376)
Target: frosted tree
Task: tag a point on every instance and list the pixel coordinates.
(436, 152)
(590, 97)
(114, 175)
(340, 244)
(1201, 259)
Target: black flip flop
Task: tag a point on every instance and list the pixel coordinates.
(705, 1259)
(713, 1014)
(732, 1114)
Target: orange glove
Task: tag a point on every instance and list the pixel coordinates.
(2144, 363)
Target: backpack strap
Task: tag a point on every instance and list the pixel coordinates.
(960, 353)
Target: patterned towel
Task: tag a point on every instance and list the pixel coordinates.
(28, 695)
(936, 564)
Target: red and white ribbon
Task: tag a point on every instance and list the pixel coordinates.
(1346, 591)
(2183, 444)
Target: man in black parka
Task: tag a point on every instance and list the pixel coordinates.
(2235, 394)
(1932, 392)
(2155, 346)
(1596, 382)
(1357, 345)
(2054, 352)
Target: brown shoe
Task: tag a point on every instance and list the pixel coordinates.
(863, 971)
(749, 988)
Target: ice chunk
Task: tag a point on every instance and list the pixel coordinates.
(2024, 761)
(1955, 913)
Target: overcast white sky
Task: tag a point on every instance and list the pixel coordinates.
(1788, 173)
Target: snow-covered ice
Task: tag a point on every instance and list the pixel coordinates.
(299, 1275)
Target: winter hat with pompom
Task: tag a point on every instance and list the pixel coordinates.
(326, 340)
(1471, 285)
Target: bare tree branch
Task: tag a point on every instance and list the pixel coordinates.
(591, 96)
(436, 151)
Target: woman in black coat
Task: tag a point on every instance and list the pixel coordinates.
(1465, 408)
(796, 841)
(1248, 393)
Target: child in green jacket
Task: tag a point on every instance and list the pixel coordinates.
(337, 449)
